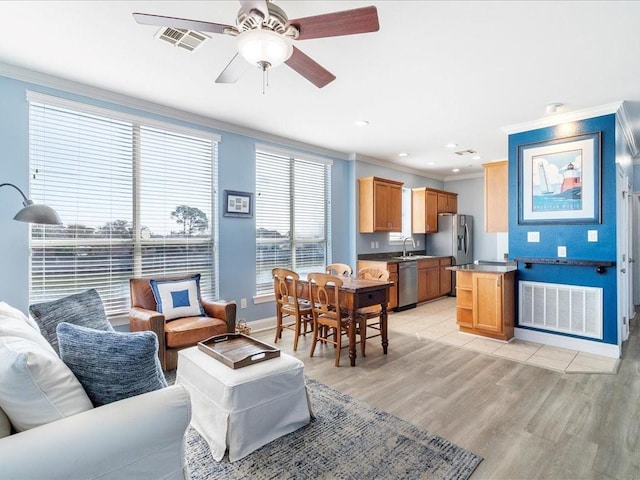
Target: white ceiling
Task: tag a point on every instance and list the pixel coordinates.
(436, 72)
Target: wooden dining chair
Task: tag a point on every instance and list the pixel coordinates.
(329, 319)
(339, 269)
(292, 313)
(365, 315)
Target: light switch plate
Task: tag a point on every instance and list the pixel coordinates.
(592, 235)
(533, 237)
(562, 251)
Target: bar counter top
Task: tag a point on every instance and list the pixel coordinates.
(472, 267)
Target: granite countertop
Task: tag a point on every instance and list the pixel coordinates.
(472, 267)
(397, 257)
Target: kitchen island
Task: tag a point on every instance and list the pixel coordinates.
(485, 299)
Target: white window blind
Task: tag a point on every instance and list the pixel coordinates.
(135, 200)
(293, 223)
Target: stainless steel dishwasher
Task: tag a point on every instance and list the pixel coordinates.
(407, 284)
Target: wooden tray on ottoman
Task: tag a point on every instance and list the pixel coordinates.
(236, 350)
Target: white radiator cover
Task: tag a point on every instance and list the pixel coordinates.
(561, 308)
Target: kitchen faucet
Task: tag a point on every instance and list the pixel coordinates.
(404, 245)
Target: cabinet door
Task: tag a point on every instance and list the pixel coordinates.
(487, 302)
(452, 202)
(381, 197)
(445, 276)
(394, 210)
(433, 282)
(496, 196)
(431, 212)
(393, 290)
(422, 283)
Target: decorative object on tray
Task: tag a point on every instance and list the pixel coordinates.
(236, 350)
(242, 327)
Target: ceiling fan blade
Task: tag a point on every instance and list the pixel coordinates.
(348, 22)
(234, 70)
(184, 23)
(310, 69)
(260, 5)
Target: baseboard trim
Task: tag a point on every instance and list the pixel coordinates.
(595, 348)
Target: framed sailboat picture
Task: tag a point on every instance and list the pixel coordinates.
(559, 180)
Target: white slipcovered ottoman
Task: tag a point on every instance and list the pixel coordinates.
(246, 408)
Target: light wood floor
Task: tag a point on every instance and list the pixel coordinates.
(527, 422)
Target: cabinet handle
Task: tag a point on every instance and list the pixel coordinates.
(498, 282)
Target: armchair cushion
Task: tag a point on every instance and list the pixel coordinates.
(83, 308)
(111, 366)
(178, 298)
(5, 425)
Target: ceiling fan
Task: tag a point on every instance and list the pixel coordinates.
(265, 33)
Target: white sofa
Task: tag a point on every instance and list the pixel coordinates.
(60, 435)
(136, 438)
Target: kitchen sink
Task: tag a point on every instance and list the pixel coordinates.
(413, 257)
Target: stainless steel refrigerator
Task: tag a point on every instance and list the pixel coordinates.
(454, 239)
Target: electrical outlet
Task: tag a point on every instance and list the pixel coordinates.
(243, 303)
(533, 237)
(417, 243)
(592, 235)
(377, 245)
(562, 251)
(373, 244)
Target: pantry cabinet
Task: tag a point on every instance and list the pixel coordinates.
(496, 196)
(380, 205)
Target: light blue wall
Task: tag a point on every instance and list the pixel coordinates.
(236, 171)
(574, 236)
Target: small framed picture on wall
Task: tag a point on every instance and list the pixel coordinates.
(238, 204)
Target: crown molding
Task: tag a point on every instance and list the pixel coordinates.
(627, 130)
(466, 176)
(381, 163)
(563, 118)
(69, 86)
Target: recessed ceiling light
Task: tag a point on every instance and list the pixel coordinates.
(451, 145)
(431, 163)
(403, 154)
(455, 170)
(477, 157)
(362, 123)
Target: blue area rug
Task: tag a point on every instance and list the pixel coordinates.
(347, 440)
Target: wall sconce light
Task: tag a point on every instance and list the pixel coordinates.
(34, 213)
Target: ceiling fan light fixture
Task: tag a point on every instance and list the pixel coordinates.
(264, 48)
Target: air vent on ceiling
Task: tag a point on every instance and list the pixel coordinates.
(178, 37)
(465, 152)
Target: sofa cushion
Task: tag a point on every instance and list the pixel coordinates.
(36, 387)
(83, 308)
(5, 425)
(111, 365)
(178, 298)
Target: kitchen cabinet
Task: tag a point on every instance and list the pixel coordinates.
(427, 203)
(392, 267)
(433, 279)
(485, 303)
(447, 202)
(445, 276)
(380, 205)
(424, 210)
(496, 196)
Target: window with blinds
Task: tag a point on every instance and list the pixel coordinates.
(135, 200)
(293, 221)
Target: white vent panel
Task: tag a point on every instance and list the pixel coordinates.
(561, 308)
(178, 37)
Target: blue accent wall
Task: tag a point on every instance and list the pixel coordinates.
(573, 236)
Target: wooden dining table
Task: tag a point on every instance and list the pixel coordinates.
(357, 293)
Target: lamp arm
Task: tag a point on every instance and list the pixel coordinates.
(26, 200)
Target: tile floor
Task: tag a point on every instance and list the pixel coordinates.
(436, 321)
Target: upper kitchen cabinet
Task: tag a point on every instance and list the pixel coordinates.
(447, 202)
(424, 210)
(380, 205)
(426, 204)
(496, 195)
